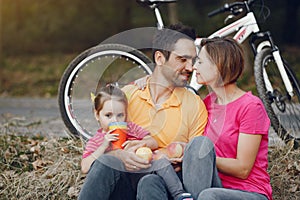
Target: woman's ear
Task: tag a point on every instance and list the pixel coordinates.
(159, 58)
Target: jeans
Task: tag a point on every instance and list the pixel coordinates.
(102, 180)
(200, 177)
(108, 179)
(229, 194)
(198, 170)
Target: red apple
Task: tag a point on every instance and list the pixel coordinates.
(145, 153)
(174, 150)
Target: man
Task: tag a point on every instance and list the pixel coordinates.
(165, 108)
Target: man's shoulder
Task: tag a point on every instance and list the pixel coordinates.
(129, 90)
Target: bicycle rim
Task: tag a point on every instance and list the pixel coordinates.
(95, 68)
(283, 109)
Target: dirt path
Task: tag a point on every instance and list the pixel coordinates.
(30, 115)
(41, 116)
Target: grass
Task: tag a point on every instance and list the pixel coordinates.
(34, 75)
(35, 167)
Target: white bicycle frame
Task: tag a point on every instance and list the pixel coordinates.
(244, 27)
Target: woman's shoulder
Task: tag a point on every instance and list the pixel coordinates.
(250, 98)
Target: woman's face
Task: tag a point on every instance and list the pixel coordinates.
(206, 70)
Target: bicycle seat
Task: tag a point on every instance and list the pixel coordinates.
(154, 2)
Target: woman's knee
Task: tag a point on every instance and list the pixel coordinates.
(209, 194)
(200, 147)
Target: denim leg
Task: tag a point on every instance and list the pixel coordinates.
(170, 177)
(229, 194)
(152, 187)
(102, 180)
(199, 166)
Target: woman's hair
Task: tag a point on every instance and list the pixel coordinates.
(228, 56)
(110, 92)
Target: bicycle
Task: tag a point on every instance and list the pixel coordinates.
(280, 94)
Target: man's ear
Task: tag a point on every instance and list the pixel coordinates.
(159, 58)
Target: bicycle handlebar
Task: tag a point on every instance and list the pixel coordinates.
(230, 7)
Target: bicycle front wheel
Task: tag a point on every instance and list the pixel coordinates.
(283, 109)
(94, 68)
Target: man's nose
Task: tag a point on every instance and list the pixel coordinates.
(189, 65)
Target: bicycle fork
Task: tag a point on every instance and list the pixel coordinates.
(278, 60)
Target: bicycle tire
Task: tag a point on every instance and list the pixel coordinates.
(283, 110)
(90, 70)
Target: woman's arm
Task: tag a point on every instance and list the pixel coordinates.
(241, 166)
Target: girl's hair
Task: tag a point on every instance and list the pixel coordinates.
(110, 92)
(228, 56)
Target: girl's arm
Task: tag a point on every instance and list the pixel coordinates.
(241, 166)
(88, 161)
(147, 141)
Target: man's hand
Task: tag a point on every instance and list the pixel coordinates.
(131, 161)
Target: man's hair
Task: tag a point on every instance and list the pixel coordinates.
(165, 39)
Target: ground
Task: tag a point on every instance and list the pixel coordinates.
(34, 166)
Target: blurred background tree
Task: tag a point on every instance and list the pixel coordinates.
(55, 28)
(34, 26)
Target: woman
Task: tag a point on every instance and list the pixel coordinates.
(238, 125)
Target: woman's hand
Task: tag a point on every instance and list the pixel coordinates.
(142, 82)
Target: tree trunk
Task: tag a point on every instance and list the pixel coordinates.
(172, 10)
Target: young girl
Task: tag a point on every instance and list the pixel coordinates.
(110, 105)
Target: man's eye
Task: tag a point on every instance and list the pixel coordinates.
(183, 60)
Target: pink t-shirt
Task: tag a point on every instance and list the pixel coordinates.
(244, 115)
(134, 132)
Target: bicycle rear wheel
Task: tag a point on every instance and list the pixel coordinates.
(96, 67)
(282, 108)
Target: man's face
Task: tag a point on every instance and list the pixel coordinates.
(178, 69)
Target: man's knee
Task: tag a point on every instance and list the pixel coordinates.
(148, 180)
(152, 187)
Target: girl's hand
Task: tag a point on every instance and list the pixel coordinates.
(110, 137)
(142, 82)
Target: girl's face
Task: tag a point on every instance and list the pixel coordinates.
(112, 111)
(206, 70)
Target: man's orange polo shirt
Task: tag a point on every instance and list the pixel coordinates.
(180, 118)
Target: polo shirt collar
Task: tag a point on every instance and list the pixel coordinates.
(173, 100)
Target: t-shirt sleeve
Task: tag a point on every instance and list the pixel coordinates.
(254, 119)
(93, 144)
(136, 132)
